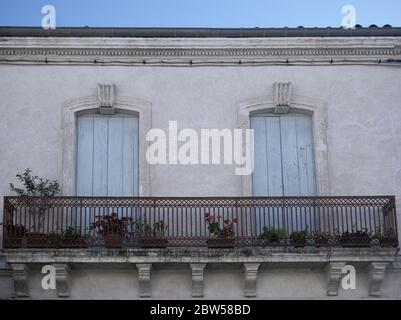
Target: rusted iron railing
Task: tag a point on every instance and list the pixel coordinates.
(80, 222)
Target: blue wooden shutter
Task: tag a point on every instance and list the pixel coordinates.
(284, 166)
(107, 156)
(284, 160)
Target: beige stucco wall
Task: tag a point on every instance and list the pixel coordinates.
(362, 103)
(364, 149)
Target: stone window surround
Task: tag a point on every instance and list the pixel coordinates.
(318, 109)
(87, 105)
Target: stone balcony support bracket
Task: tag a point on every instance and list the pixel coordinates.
(20, 273)
(197, 279)
(334, 275)
(144, 273)
(251, 275)
(377, 271)
(62, 279)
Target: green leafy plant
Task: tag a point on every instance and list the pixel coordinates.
(214, 226)
(151, 235)
(68, 238)
(386, 237)
(150, 230)
(34, 186)
(389, 233)
(71, 232)
(55, 239)
(299, 238)
(322, 238)
(273, 235)
(356, 237)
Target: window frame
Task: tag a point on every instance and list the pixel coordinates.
(318, 109)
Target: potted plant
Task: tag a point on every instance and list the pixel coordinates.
(151, 235)
(223, 237)
(387, 238)
(322, 239)
(356, 238)
(35, 240)
(272, 236)
(299, 238)
(112, 228)
(71, 238)
(14, 235)
(33, 186)
(55, 239)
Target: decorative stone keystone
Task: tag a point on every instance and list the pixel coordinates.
(106, 96)
(282, 97)
(377, 271)
(20, 272)
(197, 279)
(251, 275)
(334, 276)
(145, 290)
(62, 278)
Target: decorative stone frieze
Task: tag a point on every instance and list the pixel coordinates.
(62, 279)
(334, 276)
(144, 272)
(377, 271)
(20, 273)
(282, 97)
(197, 279)
(156, 51)
(106, 96)
(251, 276)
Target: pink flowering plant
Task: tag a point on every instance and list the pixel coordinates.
(224, 230)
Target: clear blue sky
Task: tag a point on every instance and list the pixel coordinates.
(199, 13)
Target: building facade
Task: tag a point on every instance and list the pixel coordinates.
(324, 105)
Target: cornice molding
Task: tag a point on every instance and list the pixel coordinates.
(141, 50)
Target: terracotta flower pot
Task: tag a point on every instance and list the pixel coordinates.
(113, 240)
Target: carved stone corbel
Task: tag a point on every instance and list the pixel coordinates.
(20, 272)
(62, 279)
(106, 97)
(251, 276)
(377, 271)
(197, 279)
(145, 289)
(282, 97)
(334, 275)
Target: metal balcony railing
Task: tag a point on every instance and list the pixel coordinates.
(81, 222)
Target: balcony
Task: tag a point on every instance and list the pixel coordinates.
(216, 223)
